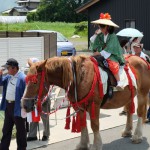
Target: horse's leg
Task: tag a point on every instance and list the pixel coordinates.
(84, 140)
(127, 132)
(141, 112)
(97, 143)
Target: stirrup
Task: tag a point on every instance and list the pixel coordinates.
(110, 92)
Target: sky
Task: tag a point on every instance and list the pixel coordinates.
(7, 4)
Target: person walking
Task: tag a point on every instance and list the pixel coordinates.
(32, 135)
(13, 88)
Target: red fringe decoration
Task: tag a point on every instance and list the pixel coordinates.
(32, 78)
(67, 126)
(78, 123)
(132, 108)
(83, 122)
(73, 124)
(40, 92)
(93, 111)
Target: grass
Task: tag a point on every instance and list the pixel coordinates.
(67, 29)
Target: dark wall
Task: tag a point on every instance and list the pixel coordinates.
(120, 10)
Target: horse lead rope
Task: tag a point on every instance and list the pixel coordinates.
(66, 93)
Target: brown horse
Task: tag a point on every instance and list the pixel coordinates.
(58, 71)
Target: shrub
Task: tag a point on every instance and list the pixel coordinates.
(32, 16)
(81, 27)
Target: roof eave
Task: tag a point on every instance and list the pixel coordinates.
(86, 6)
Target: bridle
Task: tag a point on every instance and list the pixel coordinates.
(34, 80)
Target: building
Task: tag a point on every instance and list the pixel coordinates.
(125, 13)
(32, 4)
(24, 6)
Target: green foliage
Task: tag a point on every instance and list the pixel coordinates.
(58, 10)
(81, 27)
(32, 16)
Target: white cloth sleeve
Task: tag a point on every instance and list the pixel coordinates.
(92, 38)
(105, 54)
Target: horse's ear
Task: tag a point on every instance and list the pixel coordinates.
(41, 65)
(30, 63)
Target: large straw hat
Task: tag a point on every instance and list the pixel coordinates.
(106, 20)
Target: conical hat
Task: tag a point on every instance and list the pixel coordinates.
(106, 20)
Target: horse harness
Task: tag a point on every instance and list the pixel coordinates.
(111, 80)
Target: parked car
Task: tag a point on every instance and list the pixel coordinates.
(64, 47)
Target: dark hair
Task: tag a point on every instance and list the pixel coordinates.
(134, 39)
(111, 29)
(102, 26)
(123, 42)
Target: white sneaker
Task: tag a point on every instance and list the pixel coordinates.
(120, 86)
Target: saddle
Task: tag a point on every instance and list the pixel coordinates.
(111, 79)
(104, 65)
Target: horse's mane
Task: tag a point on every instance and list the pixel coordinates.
(64, 63)
(79, 63)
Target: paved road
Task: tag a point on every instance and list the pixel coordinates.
(111, 141)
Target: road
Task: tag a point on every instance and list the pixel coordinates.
(112, 140)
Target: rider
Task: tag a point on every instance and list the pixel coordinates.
(107, 45)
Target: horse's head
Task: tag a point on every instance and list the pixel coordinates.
(35, 84)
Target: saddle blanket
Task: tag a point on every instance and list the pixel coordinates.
(123, 78)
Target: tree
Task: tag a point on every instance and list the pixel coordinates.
(59, 10)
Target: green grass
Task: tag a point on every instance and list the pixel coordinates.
(66, 29)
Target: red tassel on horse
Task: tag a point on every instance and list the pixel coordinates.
(93, 111)
(67, 126)
(78, 123)
(73, 124)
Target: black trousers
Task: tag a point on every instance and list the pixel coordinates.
(9, 122)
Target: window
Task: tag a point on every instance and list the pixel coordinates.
(130, 23)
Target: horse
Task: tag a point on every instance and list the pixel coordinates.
(58, 71)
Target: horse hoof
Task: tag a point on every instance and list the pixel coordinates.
(126, 134)
(136, 139)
